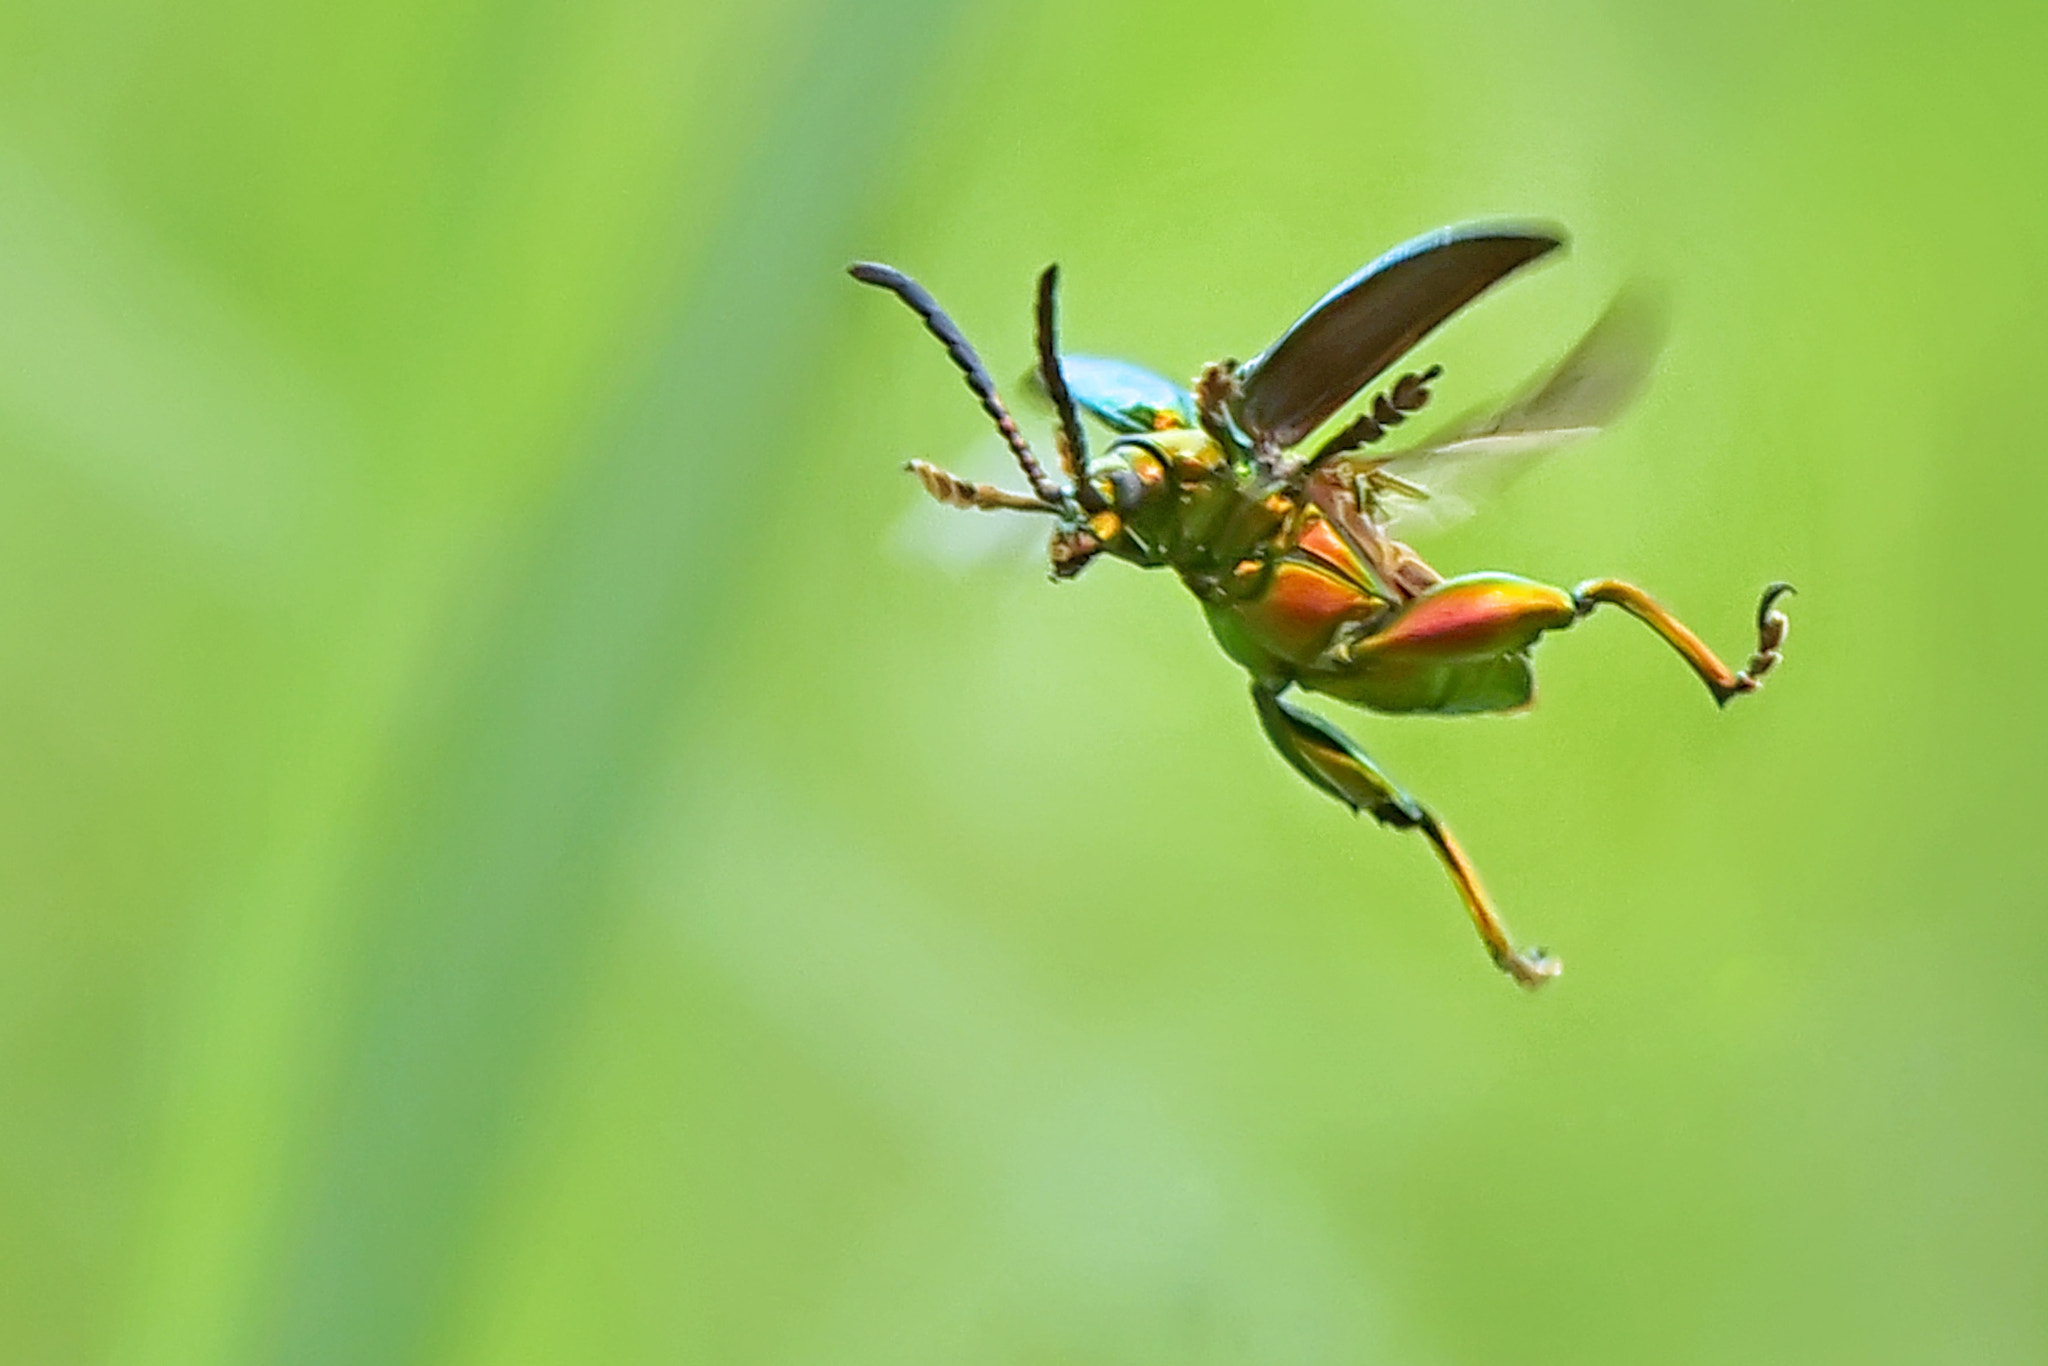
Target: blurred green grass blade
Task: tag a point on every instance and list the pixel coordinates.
(126, 365)
(489, 885)
(359, 1001)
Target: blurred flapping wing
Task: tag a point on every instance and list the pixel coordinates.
(1579, 396)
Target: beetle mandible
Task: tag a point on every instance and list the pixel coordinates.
(1287, 547)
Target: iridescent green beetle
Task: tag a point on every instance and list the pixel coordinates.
(1287, 547)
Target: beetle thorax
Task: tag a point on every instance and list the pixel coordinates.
(1176, 499)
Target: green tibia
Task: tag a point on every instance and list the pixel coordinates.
(1326, 756)
(1329, 759)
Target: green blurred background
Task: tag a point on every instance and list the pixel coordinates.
(513, 850)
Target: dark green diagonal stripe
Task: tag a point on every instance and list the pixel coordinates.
(478, 904)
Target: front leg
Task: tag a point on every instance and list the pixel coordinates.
(1771, 627)
(1331, 761)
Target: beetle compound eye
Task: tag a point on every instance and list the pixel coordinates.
(1129, 488)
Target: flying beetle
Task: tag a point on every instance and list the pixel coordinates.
(1287, 545)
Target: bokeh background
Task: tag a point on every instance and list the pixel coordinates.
(519, 842)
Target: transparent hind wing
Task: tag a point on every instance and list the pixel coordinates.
(1578, 397)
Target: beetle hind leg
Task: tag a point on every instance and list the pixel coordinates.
(1330, 760)
(1724, 683)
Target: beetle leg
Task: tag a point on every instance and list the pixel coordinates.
(1330, 760)
(1771, 627)
(1216, 389)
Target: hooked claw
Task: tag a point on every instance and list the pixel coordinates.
(1771, 625)
(1771, 629)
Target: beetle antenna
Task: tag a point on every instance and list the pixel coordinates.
(962, 355)
(950, 489)
(1073, 441)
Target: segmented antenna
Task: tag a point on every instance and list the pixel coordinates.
(1409, 394)
(971, 369)
(953, 491)
(1073, 442)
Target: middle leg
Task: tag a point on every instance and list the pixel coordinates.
(1331, 761)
